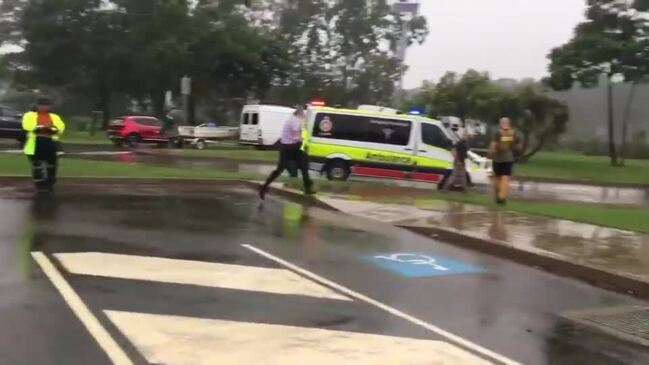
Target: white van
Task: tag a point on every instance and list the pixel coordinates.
(344, 142)
(261, 125)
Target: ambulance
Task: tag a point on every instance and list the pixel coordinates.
(383, 144)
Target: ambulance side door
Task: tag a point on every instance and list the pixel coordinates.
(433, 149)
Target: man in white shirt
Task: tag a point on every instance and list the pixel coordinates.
(291, 151)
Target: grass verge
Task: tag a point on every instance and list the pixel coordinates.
(574, 166)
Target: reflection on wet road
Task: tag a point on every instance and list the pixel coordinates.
(169, 277)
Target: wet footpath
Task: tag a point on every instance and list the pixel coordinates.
(151, 275)
(608, 249)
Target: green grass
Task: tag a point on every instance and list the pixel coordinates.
(15, 165)
(574, 166)
(238, 153)
(75, 137)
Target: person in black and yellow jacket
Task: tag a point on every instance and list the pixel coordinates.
(43, 130)
(505, 144)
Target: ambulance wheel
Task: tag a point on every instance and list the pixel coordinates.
(338, 170)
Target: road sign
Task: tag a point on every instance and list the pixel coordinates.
(417, 265)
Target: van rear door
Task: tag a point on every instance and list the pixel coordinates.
(249, 131)
(434, 157)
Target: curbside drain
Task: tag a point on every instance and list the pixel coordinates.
(627, 323)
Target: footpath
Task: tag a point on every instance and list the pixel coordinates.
(605, 257)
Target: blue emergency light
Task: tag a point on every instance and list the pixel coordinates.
(416, 111)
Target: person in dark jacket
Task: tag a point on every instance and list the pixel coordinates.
(459, 179)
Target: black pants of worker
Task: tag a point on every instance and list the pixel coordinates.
(291, 153)
(44, 164)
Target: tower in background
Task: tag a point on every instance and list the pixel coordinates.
(407, 10)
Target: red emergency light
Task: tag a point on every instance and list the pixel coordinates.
(318, 102)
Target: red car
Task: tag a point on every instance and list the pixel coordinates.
(133, 130)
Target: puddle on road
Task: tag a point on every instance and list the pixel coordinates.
(180, 162)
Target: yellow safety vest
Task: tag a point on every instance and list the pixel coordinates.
(30, 123)
(305, 137)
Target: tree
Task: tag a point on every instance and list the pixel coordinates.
(141, 48)
(74, 44)
(474, 95)
(233, 61)
(10, 15)
(606, 44)
(538, 117)
(345, 50)
(471, 95)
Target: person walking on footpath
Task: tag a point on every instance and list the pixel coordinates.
(43, 130)
(291, 151)
(504, 144)
(458, 179)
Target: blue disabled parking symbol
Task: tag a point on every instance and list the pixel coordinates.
(416, 265)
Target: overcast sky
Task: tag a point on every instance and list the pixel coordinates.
(508, 38)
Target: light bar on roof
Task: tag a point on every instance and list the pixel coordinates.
(318, 102)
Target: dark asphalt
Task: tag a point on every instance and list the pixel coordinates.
(510, 309)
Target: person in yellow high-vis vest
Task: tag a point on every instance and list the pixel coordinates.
(43, 130)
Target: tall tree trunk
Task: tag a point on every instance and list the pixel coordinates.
(611, 123)
(158, 99)
(542, 139)
(104, 101)
(625, 121)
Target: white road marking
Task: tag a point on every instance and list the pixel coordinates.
(358, 296)
(174, 340)
(92, 324)
(186, 272)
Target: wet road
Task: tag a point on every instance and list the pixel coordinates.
(171, 280)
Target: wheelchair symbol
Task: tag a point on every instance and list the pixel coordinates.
(414, 259)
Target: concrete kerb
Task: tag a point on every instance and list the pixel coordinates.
(605, 279)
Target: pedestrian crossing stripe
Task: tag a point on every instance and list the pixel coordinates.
(175, 340)
(186, 272)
